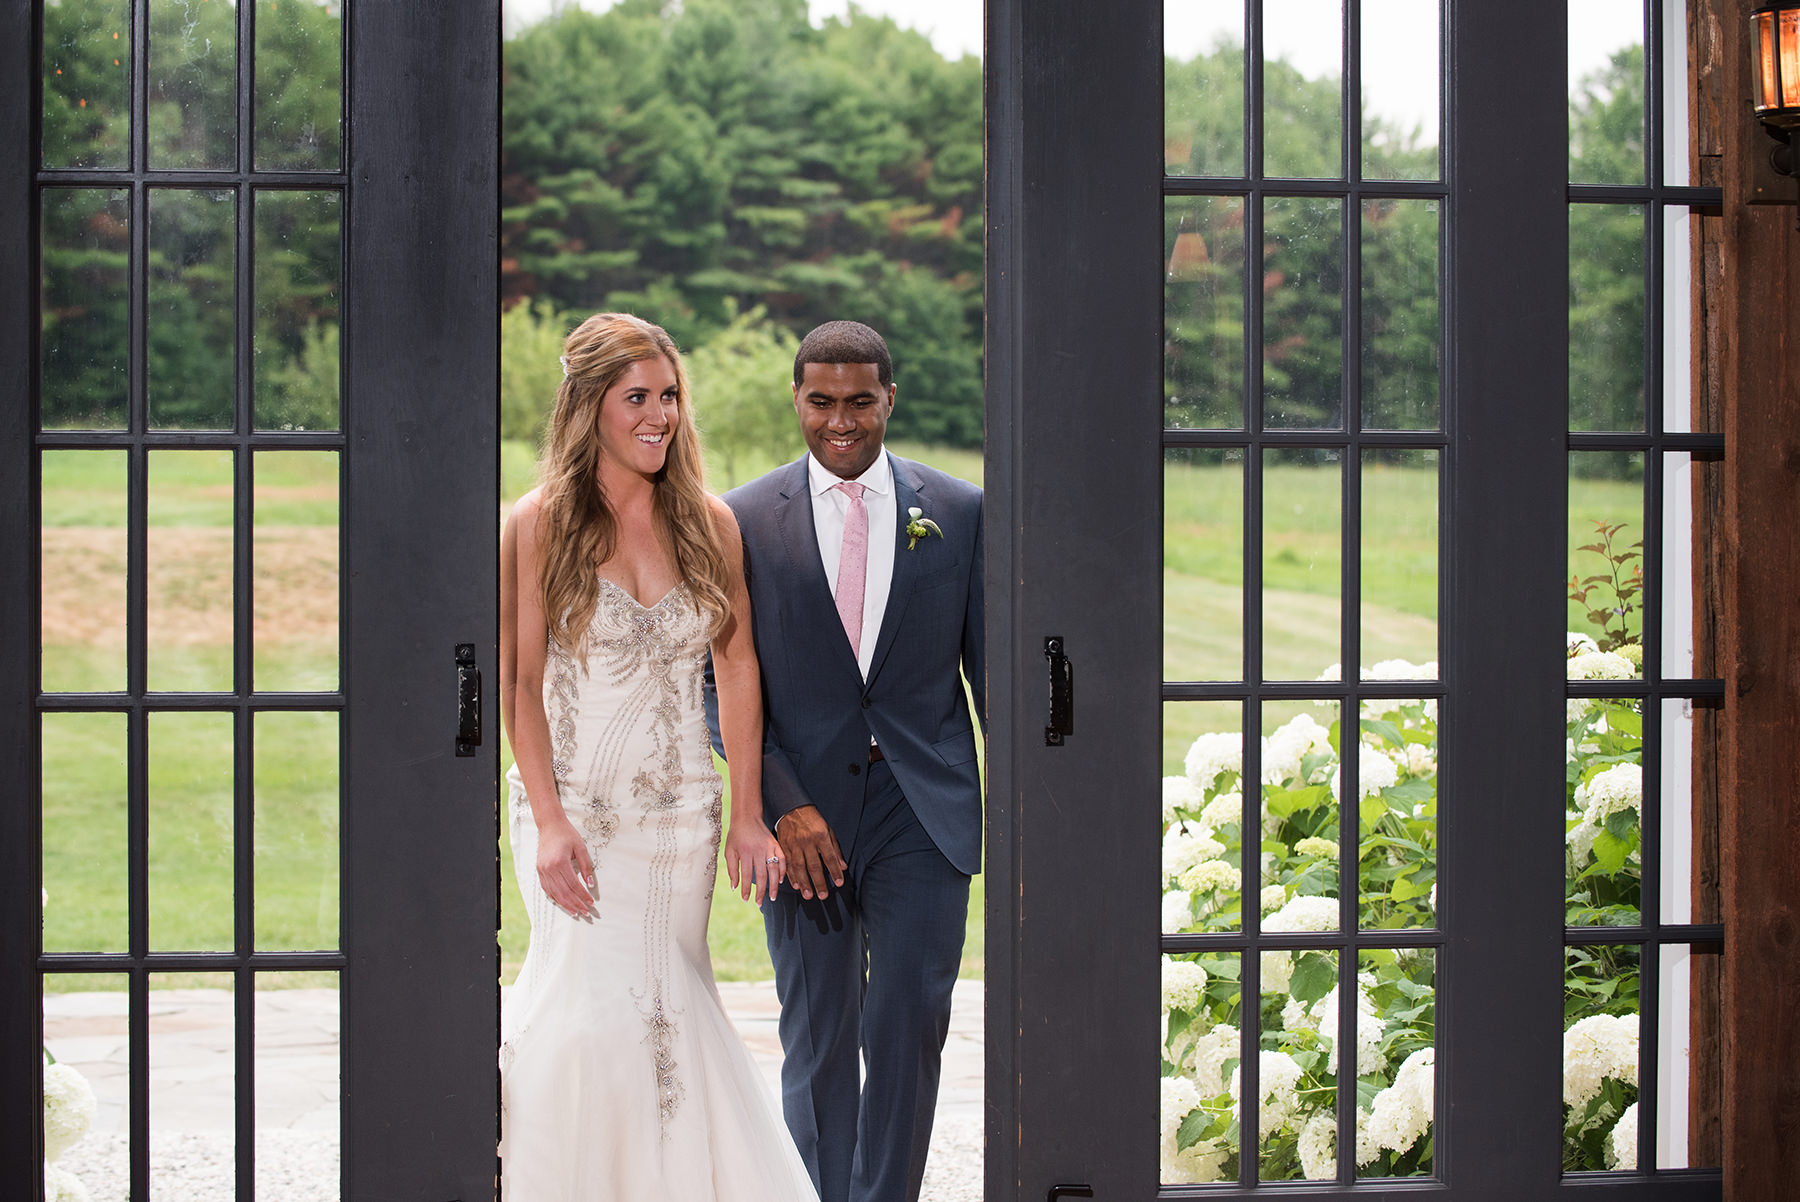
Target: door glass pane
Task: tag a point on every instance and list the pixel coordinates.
(1296, 1117)
(1690, 1088)
(190, 832)
(1690, 813)
(296, 586)
(87, 84)
(1303, 313)
(1203, 817)
(298, 272)
(1604, 821)
(296, 844)
(1600, 1057)
(189, 585)
(1202, 1010)
(81, 552)
(192, 286)
(1400, 327)
(1679, 230)
(193, 1041)
(298, 1086)
(193, 84)
(1302, 591)
(1677, 96)
(1203, 565)
(1606, 565)
(1400, 53)
(1303, 104)
(1397, 814)
(1301, 785)
(84, 832)
(1396, 1051)
(88, 1085)
(299, 84)
(1681, 535)
(1606, 317)
(1606, 92)
(1203, 87)
(1399, 612)
(84, 335)
(1203, 312)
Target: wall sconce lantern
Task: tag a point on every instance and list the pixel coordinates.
(1775, 72)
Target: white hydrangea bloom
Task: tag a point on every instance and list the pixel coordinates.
(1620, 787)
(1278, 1102)
(1179, 1098)
(1273, 898)
(1183, 984)
(1622, 1141)
(1366, 1147)
(1400, 669)
(1186, 844)
(1375, 772)
(1212, 754)
(1211, 1051)
(60, 1185)
(1304, 913)
(1369, 1028)
(1312, 845)
(1580, 643)
(1199, 1163)
(1177, 911)
(1277, 970)
(1225, 809)
(1210, 876)
(1296, 1017)
(69, 1108)
(1401, 1113)
(1334, 672)
(1421, 760)
(1318, 1147)
(1595, 1048)
(1180, 793)
(1283, 751)
(1581, 839)
(1633, 652)
(1601, 665)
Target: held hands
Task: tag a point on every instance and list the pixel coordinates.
(565, 870)
(753, 860)
(812, 852)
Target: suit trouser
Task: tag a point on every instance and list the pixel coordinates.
(866, 973)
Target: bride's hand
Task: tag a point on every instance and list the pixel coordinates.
(565, 870)
(753, 860)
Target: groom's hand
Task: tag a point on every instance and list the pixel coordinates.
(813, 856)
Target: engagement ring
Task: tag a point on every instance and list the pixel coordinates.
(773, 860)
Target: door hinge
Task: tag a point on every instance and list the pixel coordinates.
(468, 700)
(1069, 1191)
(1062, 693)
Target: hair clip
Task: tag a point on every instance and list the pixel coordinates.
(564, 360)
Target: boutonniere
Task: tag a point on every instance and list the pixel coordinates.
(918, 526)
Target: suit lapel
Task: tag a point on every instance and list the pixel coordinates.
(811, 592)
(907, 495)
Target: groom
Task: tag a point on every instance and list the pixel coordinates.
(865, 581)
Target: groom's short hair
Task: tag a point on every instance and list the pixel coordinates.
(844, 342)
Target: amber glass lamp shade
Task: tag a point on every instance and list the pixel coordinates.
(1775, 60)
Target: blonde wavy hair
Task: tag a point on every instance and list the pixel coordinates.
(577, 529)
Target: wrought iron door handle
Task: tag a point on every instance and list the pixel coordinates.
(468, 700)
(1062, 694)
(1069, 1191)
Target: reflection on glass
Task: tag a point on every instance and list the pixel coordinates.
(1302, 557)
(296, 843)
(1297, 1066)
(189, 616)
(1677, 169)
(1203, 88)
(1600, 1058)
(1606, 565)
(297, 295)
(1690, 813)
(84, 840)
(190, 828)
(1401, 47)
(1396, 1052)
(87, 1034)
(1203, 815)
(298, 1085)
(84, 331)
(1606, 317)
(193, 84)
(299, 85)
(1399, 565)
(192, 1097)
(1607, 84)
(1202, 1011)
(83, 503)
(87, 84)
(1299, 838)
(295, 553)
(1675, 574)
(1397, 790)
(1203, 312)
(1303, 104)
(1604, 802)
(1690, 1081)
(1400, 330)
(1303, 313)
(1680, 228)
(1203, 565)
(191, 312)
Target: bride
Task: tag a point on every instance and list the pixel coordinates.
(621, 1077)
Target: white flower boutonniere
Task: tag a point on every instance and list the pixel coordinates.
(918, 526)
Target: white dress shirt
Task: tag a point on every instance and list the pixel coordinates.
(830, 506)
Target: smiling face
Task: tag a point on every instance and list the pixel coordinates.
(638, 417)
(843, 410)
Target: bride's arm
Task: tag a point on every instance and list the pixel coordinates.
(563, 866)
(749, 847)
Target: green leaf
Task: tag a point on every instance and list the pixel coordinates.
(1314, 975)
(1192, 1128)
(1407, 888)
(1389, 733)
(1609, 854)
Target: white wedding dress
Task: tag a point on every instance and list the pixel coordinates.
(621, 1076)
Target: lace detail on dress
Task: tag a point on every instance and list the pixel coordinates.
(593, 813)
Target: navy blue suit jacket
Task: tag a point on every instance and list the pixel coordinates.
(818, 713)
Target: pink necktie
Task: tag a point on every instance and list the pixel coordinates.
(853, 564)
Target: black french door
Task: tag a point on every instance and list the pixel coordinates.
(247, 307)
